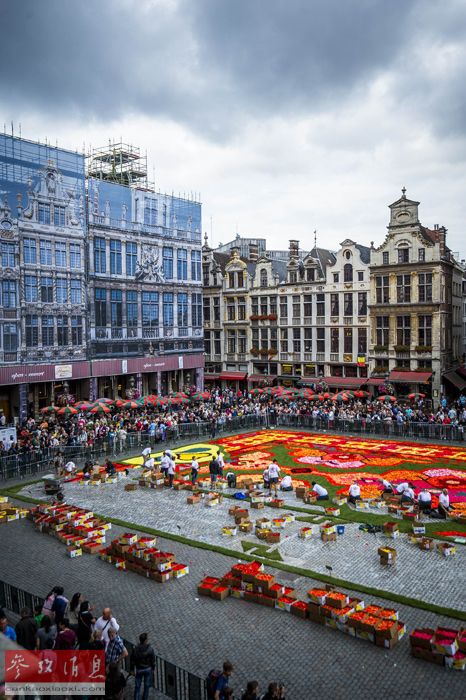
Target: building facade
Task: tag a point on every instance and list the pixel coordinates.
(416, 338)
(293, 320)
(100, 283)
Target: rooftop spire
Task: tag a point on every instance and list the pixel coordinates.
(403, 192)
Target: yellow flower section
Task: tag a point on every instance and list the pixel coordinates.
(203, 452)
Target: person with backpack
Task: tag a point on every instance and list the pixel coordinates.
(218, 681)
(49, 600)
(213, 471)
(104, 623)
(60, 605)
(142, 664)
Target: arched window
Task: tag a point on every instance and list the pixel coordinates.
(263, 278)
(348, 273)
(403, 254)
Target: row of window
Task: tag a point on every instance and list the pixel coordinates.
(300, 306)
(131, 257)
(150, 308)
(48, 214)
(48, 289)
(59, 254)
(404, 255)
(403, 330)
(44, 331)
(403, 288)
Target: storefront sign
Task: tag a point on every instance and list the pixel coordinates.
(180, 361)
(124, 366)
(63, 371)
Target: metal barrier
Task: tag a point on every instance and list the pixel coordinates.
(40, 461)
(171, 680)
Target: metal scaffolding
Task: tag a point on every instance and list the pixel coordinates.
(120, 163)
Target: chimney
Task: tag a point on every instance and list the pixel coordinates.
(293, 249)
(442, 235)
(234, 252)
(253, 252)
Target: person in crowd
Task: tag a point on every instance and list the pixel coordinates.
(85, 622)
(407, 495)
(150, 464)
(251, 692)
(213, 471)
(96, 643)
(75, 602)
(7, 629)
(115, 683)
(66, 637)
(87, 471)
(142, 664)
(194, 470)
(115, 650)
(49, 600)
(70, 469)
(354, 493)
(38, 614)
(424, 501)
(60, 605)
(222, 682)
(46, 634)
(286, 484)
(274, 475)
(26, 630)
(275, 691)
(105, 623)
(321, 491)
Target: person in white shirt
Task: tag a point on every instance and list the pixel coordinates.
(164, 462)
(402, 487)
(424, 501)
(274, 475)
(171, 472)
(286, 484)
(322, 493)
(70, 468)
(194, 470)
(354, 493)
(221, 463)
(145, 454)
(105, 623)
(408, 494)
(387, 486)
(443, 504)
(150, 463)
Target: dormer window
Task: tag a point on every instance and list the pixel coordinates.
(310, 274)
(293, 277)
(422, 254)
(263, 278)
(44, 213)
(403, 255)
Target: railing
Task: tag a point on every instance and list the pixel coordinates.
(171, 680)
(30, 464)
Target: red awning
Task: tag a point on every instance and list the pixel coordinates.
(208, 376)
(409, 377)
(353, 382)
(310, 380)
(233, 375)
(260, 377)
(375, 381)
(455, 379)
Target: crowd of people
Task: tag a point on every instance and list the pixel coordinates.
(118, 426)
(60, 623)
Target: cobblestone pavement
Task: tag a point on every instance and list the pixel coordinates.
(425, 575)
(199, 633)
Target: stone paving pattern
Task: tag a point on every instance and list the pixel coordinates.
(199, 633)
(425, 575)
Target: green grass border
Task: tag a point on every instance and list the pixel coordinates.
(282, 566)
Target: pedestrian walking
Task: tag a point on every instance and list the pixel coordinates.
(142, 664)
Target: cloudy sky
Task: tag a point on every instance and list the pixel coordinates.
(286, 115)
